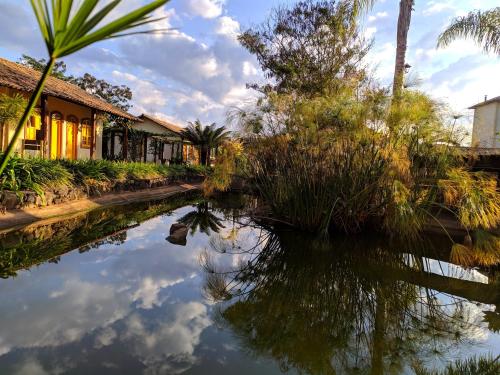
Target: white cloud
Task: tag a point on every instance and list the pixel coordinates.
(205, 8)
(434, 7)
(370, 32)
(377, 16)
(227, 26)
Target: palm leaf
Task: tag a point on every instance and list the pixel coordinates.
(482, 27)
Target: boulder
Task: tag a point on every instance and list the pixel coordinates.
(10, 200)
(178, 234)
(177, 226)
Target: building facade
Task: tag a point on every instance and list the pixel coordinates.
(486, 130)
(152, 140)
(67, 122)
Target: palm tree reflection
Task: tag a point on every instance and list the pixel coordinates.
(202, 219)
(354, 308)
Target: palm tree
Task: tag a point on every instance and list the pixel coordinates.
(482, 27)
(404, 19)
(67, 28)
(11, 110)
(205, 137)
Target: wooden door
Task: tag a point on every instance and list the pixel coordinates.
(71, 138)
(55, 135)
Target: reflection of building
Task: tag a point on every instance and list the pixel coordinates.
(486, 132)
(150, 139)
(67, 122)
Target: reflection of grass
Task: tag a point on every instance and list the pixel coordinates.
(26, 248)
(471, 366)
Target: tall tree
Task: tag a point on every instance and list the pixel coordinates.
(404, 19)
(482, 27)
(309, 48)
(205, 137)
(59, 70)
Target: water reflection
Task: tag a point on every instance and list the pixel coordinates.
(351, 306)
(265, 301)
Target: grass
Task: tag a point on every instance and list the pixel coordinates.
(39, 175)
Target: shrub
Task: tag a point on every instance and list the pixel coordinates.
(34, 174)
(39, 174)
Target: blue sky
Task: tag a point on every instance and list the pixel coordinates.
(200, 71)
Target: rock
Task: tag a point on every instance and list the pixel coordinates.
(10, 200)
(178, 234)
(177, 226)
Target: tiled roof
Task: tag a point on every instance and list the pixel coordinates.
(22, 78)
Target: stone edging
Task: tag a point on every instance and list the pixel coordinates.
(16, 219)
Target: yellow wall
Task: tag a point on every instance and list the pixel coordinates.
(66, 109)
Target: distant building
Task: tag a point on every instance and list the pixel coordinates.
(149, 139)
(67, 121)
(486, 131)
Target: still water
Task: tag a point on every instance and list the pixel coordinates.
(107, 293)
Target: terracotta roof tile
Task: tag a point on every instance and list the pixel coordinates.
(22, 78)
(174, 128)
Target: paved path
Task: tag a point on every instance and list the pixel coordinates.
(16, 219)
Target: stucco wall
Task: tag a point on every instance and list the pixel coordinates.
(486, 126)
(66, 109)
(151, 127)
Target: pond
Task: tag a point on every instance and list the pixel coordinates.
(107, 293)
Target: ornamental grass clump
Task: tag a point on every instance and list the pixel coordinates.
(337, 167)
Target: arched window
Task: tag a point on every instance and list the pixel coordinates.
(86, 139)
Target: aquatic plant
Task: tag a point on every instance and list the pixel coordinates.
(470, 366)
(229, 159)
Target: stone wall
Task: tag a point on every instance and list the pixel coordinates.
(10, 200)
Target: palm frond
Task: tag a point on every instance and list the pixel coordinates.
(482, 27)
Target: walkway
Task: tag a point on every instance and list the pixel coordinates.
(16, 219)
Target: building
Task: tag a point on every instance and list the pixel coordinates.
(486, 131)
(67, 122)
(149, 139)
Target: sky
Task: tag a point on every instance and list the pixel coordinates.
(199, 70)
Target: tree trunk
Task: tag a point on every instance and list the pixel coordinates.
(203, 155)
(405, 9)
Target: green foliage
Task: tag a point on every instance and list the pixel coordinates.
(205, 137)
(349, 162)
(226, 165)
(67, 27)
(34, 174)
(39, 174)
(59, 70)
(481, 26)
(11, 108)
(312, 47)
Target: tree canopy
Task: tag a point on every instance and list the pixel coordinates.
(308, 48)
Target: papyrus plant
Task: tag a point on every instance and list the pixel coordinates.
(68, 26)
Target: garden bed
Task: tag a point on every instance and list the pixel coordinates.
(29, 183)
